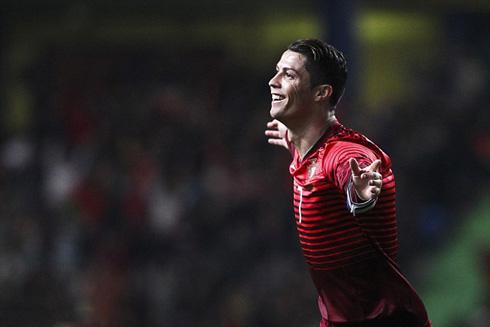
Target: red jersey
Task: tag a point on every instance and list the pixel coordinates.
(351, 248)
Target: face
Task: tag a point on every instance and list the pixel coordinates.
(292, 95)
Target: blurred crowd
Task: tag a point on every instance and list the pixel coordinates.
(143, 191)
(439, 143)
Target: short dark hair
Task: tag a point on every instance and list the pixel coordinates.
(325, 64)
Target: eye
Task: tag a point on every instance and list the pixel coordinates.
(288, 75)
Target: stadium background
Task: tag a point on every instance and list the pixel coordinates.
(137, 187)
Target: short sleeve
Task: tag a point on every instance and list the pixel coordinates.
(336, 161)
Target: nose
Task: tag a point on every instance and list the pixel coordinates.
(274, 82)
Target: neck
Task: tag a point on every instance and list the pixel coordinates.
(305, 137)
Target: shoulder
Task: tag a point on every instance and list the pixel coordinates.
(344, 134)
(347, 143)
(344, 149)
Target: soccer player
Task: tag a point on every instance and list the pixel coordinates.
(344, 195)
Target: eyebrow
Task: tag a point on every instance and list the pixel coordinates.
(284, 69)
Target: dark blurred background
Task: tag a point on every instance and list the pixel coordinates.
(137, 187)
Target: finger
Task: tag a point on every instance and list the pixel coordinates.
(354, 166)
(374, 166)
(375, 191)
(273, 123)
(276, 142)
(371, 176)
(275, 134)
(376, 183)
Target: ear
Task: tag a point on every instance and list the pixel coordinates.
(323, 92)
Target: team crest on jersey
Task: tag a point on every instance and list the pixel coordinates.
(312, 167)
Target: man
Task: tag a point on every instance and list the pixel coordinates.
(344, 195)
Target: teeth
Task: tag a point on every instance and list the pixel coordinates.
(276, 97)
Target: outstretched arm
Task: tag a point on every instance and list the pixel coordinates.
(276, 131)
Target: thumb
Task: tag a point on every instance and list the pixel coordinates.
(354, 166)
(374, 167)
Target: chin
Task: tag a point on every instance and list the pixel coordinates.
(275, 112)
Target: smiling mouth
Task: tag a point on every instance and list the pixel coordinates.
(277, 97)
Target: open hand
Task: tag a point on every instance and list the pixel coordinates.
(367, 181)
(276, 131)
